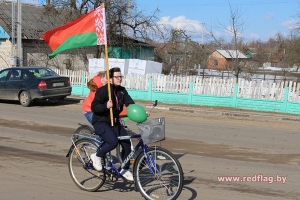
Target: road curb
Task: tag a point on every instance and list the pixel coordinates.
(207, 111)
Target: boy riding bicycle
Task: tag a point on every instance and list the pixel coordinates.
(102, 123)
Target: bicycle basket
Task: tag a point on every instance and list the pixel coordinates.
(152, 130)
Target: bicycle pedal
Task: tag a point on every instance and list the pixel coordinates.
(111, 176)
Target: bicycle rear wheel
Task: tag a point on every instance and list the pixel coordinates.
(81, 168)
(161, 178)
(88, 130)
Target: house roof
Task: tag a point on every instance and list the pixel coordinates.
(38, 19)
(172, 48)
(252, 50)
(35, 19)
(231, 53)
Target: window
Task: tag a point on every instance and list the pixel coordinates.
(3, 75)
(15, 75)
(133, 54)
(39, 72)
(26, 74)
(216, 62)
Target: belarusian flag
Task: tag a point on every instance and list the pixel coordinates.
(88, 30)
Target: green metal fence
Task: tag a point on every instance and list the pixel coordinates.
(189, 98)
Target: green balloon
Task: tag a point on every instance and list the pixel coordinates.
(136, 113)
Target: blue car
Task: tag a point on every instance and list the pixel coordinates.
(27, 84)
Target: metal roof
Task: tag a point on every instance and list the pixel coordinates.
(35, 19)
(231, 53)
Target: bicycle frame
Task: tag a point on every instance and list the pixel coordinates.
(110, 165)
(157, 173)
(140, 144)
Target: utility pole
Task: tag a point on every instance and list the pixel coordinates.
(13, 62)
(19, 34)
(186, 55)
(203, 24)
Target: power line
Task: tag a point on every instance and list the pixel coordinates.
(214, 4)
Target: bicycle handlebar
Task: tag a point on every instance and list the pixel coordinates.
(154, 104)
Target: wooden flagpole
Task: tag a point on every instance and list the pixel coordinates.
(108, 79)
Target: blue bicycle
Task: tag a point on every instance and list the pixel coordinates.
(157, 172)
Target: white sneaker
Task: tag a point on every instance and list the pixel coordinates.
(96, 162)
(126, 174)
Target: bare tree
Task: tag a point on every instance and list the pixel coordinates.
(125, 23)
(235, 30)
(179, 53)
(171, 51)
(259, 56)
(292, 50)
(2, 57)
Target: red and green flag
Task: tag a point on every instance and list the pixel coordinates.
(88, 30)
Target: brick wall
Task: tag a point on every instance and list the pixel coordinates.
(5, 52)
(221, 63)
(216, 61)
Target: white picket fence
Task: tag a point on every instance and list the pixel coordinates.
(75, 76)
(269, 90)
(258, 89)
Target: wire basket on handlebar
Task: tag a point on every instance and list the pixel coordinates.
(152, 130)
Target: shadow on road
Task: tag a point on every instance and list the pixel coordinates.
(126, 186)
(67, 101)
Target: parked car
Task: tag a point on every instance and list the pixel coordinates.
(28, 84)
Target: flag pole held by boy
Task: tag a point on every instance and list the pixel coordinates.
(86, 31)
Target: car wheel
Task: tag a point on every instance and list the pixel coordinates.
(25, 99)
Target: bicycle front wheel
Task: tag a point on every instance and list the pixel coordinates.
(81, 168)
(158, 174)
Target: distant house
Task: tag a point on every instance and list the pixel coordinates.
(39, 19)
(222, 59)
(172, 56)
(177, 56)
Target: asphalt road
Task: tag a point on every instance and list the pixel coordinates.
(35, 140)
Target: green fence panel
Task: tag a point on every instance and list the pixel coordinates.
(207, 100)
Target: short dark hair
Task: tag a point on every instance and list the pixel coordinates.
(113, 70)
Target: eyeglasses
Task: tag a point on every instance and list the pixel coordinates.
(118, 77)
